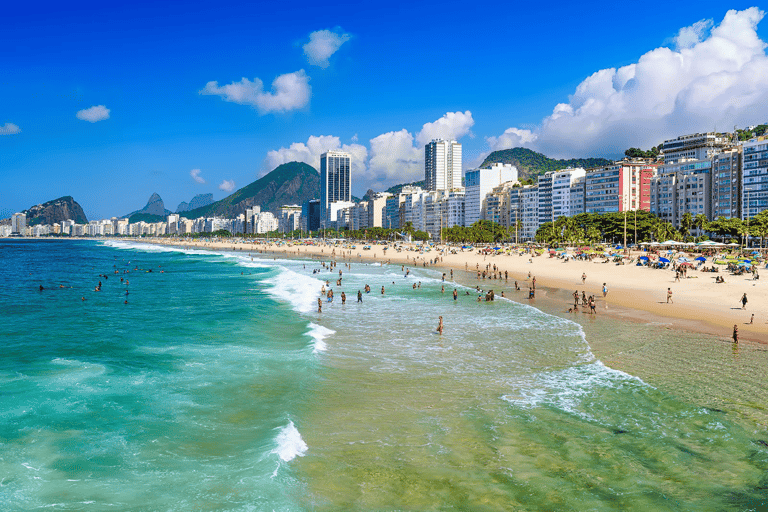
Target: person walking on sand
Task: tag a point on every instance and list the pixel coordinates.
(669, 296)
(440, 326)
(744, 301)
(752, 319)
(605, 290)
(735, 333)
(583, 278)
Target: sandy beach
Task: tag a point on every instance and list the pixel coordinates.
(698, 303)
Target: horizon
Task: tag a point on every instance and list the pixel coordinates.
(111, 104)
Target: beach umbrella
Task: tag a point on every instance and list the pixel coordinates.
(670, 242)
(683, 259)
(664, 260)
(686, 264)
(643, 257)
(701, 258)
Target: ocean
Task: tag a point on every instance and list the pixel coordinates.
(215, 384)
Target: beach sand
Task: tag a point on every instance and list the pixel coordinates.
(640, 293)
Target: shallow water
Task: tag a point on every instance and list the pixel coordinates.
(220, 387)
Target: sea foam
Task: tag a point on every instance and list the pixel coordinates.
(319, 333)
(289, 443)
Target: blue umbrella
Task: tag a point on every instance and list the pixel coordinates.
(664, 260)
(701, 258)
(643, 257)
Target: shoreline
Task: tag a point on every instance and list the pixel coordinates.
(635, 293)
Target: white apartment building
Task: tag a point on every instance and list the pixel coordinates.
(754, 179)
(479, 182)
(266, 222)
(578, 189)
(5, 230)
(562, 183)
(290, 218)
(529, 209)
(696, 146)
(173, 224)
(498, 204)
(377, 210)
(544, 194)
(333, 210)
(442, 165)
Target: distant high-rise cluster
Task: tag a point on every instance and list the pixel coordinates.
(707, 174)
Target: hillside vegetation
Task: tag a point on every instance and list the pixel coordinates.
(530, 164)
(291, 183)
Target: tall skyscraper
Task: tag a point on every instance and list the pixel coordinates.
(335, 180)
(442, 165)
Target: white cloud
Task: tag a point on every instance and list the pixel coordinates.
(310, 152)
(712, 82)
(512, 137)
(227, 185)
(290, 91)
(93, 114)
(9, 129)
(395, 157)
(689, 36)
(322, 44)
(452, 126)
(195, 173)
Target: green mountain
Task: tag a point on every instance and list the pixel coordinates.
(531, 164)
(53, 212)
(395, 189)
(291, 183)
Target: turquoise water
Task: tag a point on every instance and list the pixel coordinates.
(218, 386)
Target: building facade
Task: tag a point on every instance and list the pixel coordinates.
(754, 196)
(335, 181)
(442, 165)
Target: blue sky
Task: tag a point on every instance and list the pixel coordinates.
(490, 74)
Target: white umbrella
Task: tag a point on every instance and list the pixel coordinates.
(670, 242)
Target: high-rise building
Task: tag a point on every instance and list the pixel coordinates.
(335, 181)
(621, 186)
(18, 223)
(726, 184)
(562, 181)
(479, 182)
(310, 215)
(442, 165)
(754, 177)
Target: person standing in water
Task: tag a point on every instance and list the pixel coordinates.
(455, 294)
(359, 296)
(440, 326)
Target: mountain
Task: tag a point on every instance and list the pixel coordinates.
(52, 212)
(154, 211)
(531, 164)
(291, 183)
(198, 201)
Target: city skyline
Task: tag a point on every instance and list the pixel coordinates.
(109, 115)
